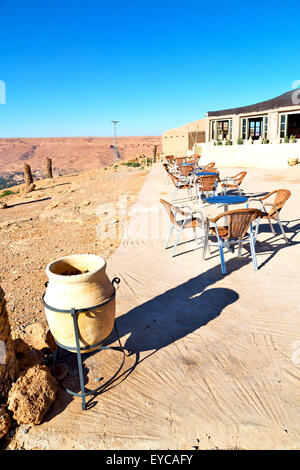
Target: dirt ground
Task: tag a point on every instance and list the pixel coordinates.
(58, 218)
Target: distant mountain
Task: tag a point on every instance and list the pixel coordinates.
(67, 153)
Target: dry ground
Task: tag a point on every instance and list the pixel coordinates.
(56, 219)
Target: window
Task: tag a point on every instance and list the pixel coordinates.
(283, 121)
(255, 127)
(244, 129)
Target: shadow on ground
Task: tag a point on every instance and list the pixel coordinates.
(28, 202)
(158, 323)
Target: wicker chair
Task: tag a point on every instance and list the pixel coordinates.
(188, 220)
(179, 160)
(193, 159)
(206, 184)
(235, 232)
(281, 196)
(181, 183)
(209, 166)
(233, 182)
(186, 170)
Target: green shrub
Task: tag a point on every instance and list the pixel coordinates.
(286, 139)
(7, 193)
(240, 141)
(293, 139)
(133, 164)
(228, 142)
(219, 142)
(265, 141)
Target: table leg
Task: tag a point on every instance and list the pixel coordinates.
(225, 210)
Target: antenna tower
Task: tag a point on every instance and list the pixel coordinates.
(115, 147)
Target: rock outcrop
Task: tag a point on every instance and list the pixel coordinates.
(32, 395)
(4, 421)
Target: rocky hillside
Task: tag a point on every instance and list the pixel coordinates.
(68, 154)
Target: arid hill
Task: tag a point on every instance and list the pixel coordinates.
(68, 154)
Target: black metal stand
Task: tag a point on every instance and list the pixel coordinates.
(74, 312)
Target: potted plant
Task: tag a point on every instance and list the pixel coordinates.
(228, 142)
(293, 139)
(240, 141)
(265, 141)
(286, 139)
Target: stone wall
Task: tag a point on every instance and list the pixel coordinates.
(180, 140)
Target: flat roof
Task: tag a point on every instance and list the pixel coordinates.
(279, 102)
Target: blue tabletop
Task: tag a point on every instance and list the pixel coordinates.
(226, 199)
(205, 173)
(183, 164)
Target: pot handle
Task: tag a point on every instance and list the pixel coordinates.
(116, 280)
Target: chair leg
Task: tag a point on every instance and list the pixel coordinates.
(271, 226)
(253, 254)
(256, 230)
(176, 241)
(223, 265)
(282, 229)
(205, 245)
(240, 249)
(171, 230)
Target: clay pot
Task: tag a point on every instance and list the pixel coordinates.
(79, 281)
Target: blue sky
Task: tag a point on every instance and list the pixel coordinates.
(72, 66)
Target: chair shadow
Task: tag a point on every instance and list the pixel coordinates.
(177, 312)
(271, 244)
(255, 195)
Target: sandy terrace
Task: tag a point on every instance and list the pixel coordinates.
(216, 362)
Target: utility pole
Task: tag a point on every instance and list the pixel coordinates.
(116, 153)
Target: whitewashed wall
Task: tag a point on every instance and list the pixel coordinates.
(256, 155)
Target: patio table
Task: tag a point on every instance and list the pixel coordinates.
(205, 173)
(186, 164)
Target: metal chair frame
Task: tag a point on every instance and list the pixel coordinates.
(247, 238)
(180, 225)
(274, 216)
